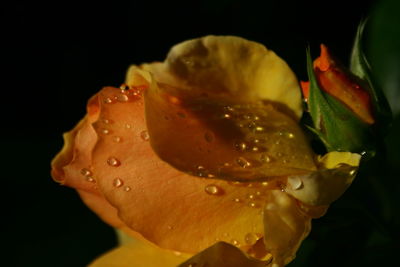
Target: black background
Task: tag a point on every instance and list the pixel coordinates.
(55, 56)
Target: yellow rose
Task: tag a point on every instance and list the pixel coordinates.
(203, 148)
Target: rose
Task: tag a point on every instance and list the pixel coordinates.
(220, 108)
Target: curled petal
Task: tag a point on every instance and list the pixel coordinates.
(209, 138)
(229, 68)
(285, 227)
(327, 184)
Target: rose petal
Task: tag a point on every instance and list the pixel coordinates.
(138, 253)
(228, 141)
(223, 255)
(72, 166)
(327, 184)
(229, 68)
(285, 227)
(171, 209)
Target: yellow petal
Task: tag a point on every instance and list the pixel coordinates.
(229, 68)
(285, 227)
(223, 255)
(138, 253)
(337, 172)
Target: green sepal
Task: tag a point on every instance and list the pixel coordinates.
(336, 125)
(360, 67)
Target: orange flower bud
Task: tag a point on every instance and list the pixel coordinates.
(341, 84)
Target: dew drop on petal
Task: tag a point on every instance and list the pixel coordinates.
(264, 183)
(86, 172)
(122, 98)
(241, 146)
(253, 204)
(265, 158)
(106, 121)
(128, 126)
(250, 238)
(112, 161)
(226, 116)
(127, 188)
(105, 131)
(117, 182)
(235, 242)
(295, 182)
(213, 189)
(144, 135)
(242, 162)
(117, 139)
(108, 100)
(90, 179)
(237, 200)
(251, 196)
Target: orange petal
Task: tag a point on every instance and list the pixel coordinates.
(225, 140)
(343, 85)
(171, 209)
(305, 88)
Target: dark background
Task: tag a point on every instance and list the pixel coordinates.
(55, 56)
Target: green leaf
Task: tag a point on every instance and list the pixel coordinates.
(360, 67)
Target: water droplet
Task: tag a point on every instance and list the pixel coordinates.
(271, 206)
(352, 172)
(285, 161)
(213, 189)
(105, 131)
(117, 182)
(265, 158)
(117, 139)
(250, 238)
(295, 182)
(256, 118)
(86, 172)
(128, 126)
(235, 242)
(229, 108)
(254, 149)
(290, 135)
(251, 196)
(253, 204)
(193, 264)
(108, 100)
(240, 146)
(127, 188)
(122, 98)
(278, 142)
(226, 116)
(200, 167)
(144, 135)
(90, 179)
(112, 161)
(237, 200)
(258, 193)
(279, 154)
(259, 129)
(264, 183)
(242, 162)
(209, 137)
(124, 87)
(106, 121)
